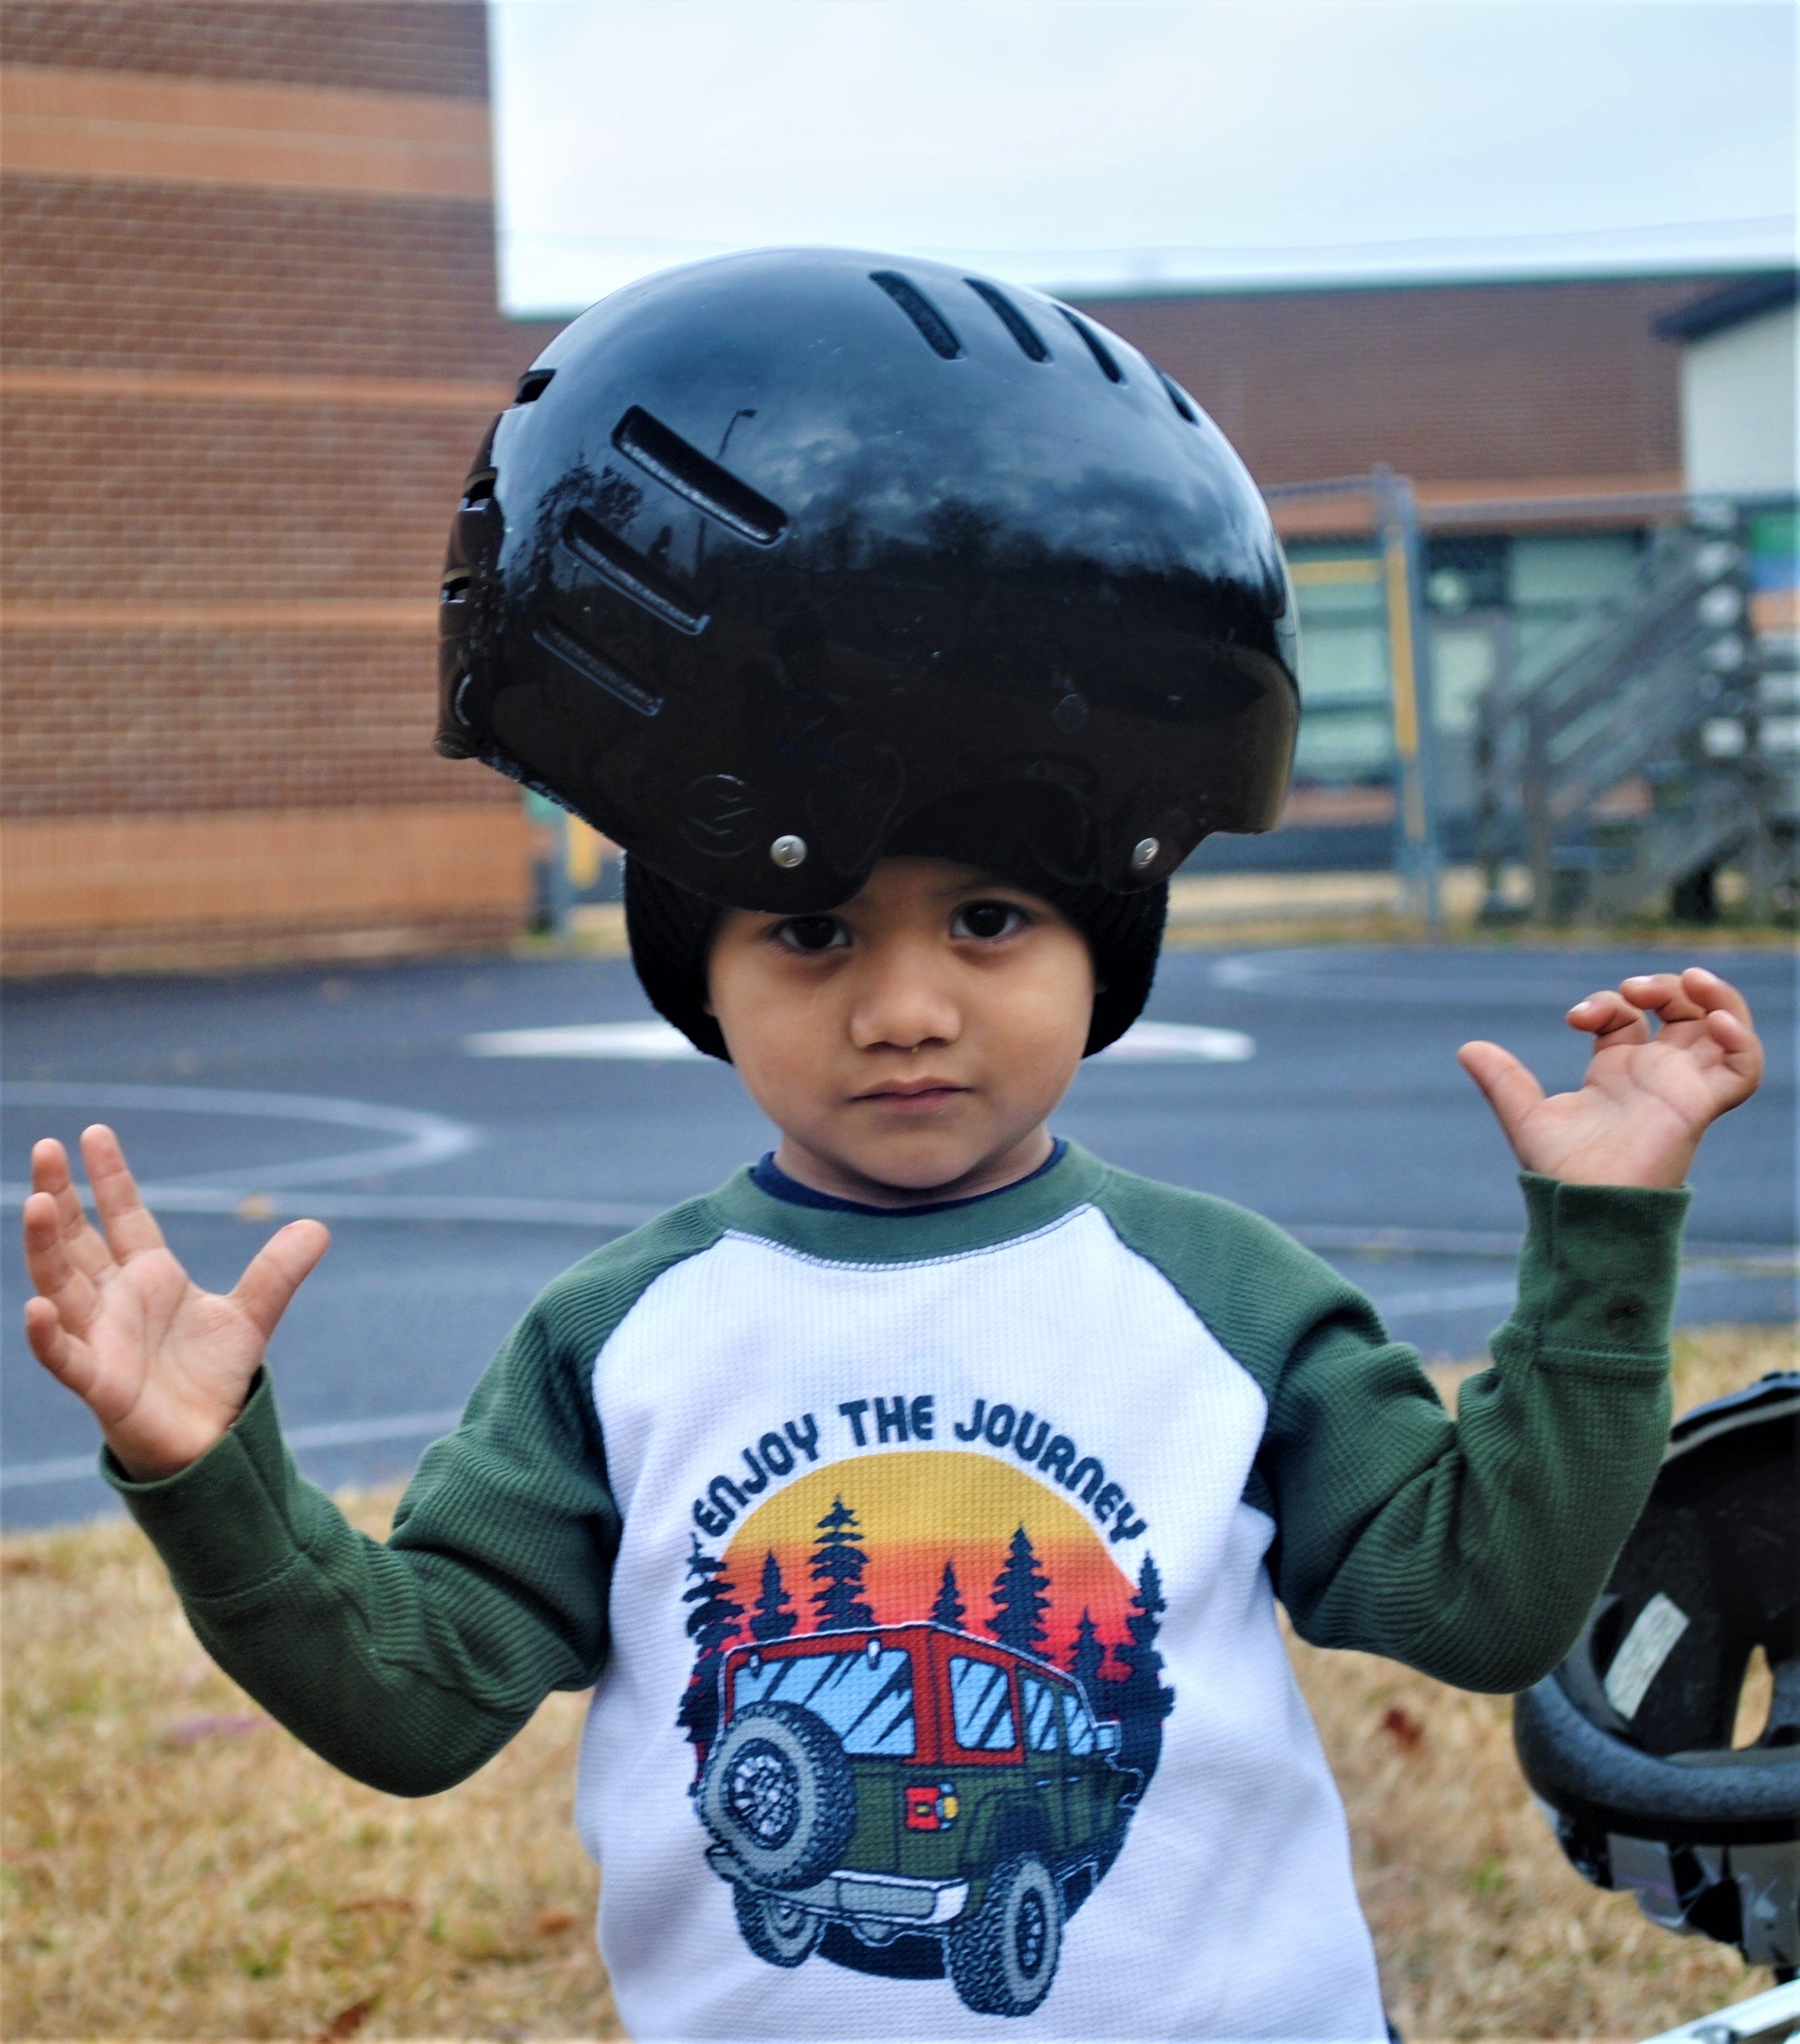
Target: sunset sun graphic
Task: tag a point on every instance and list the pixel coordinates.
(929, 1533)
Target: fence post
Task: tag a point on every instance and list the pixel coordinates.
(1417, 850)
(1540, 826)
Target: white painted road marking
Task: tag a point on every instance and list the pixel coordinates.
(343, 1433)
(430, 1138)
(249, 1205)
(658, 1040)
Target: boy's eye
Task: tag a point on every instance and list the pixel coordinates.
(812, 933)
(986, 920)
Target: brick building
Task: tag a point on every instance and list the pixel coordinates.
(251, 338)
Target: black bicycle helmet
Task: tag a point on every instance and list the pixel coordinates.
(775, 552)
(1628, 1743)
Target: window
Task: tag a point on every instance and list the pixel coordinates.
(981, 1702)
(1039, 1715)
(866, 1698)
(1345, 722)
(1081, 1738)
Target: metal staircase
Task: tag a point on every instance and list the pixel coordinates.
(1628, 767)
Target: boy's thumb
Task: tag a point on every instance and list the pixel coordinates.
(1510, 1090)
(278, 1269)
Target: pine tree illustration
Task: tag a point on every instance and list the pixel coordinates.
(838, 1563)
(1143, 1700)
(1088, 1656)
(1019, 1601)
(949, 1609)
(774, 1616)
(712, 1624)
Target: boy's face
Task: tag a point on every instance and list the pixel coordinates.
(909, 1044)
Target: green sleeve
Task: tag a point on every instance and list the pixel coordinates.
(409, 1663)
(1471, 1549)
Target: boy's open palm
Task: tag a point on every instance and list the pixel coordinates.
(1645, 1101)
(163, 1367)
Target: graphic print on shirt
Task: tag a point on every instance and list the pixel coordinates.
(925, 1702)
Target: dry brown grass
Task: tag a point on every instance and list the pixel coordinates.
(176, 1867)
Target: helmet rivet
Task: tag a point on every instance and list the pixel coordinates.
(789, 851)
(1144, 854)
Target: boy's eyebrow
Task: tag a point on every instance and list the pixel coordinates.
(981, 883)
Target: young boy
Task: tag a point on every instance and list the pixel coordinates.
(917, 1503)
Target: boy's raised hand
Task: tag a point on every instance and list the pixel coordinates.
(1645, 1101)
(163, 1367)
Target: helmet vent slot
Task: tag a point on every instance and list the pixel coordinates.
(1030, 341)
(532, 386)
(689, 473)
(1178, 398)
(479, 489)
(938, 335)
(594, 667)
(630, 573)
(1096, 347)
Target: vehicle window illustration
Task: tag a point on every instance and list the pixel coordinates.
(982, 1705)
(866, 1698)
(1039, 1715)
(1081, 1738)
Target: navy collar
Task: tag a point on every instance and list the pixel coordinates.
(767, 1177)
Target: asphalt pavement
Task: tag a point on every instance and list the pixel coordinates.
(470, 1129)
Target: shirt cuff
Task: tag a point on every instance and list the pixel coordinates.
(1598, 1267)
(221, 1525)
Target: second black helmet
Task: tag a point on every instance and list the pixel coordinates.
(775, 552)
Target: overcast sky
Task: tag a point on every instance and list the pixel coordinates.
(1088, 144)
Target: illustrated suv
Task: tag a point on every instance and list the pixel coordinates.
(911, 1781)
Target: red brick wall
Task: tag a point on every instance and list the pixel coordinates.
(276, 282)
(1473, 384)
(434, 46)
(239, 383)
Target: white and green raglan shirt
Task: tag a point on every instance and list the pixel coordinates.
(925, 1568)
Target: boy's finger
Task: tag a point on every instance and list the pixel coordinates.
(72, 1294)
(1511, 1090)
(66, 1359)
(1743, 1049)
(1716, 995)
(277, 1270)
(1663, 994)
(49, 1165)
(131, 1228)
(50, 1174)
(1610, 1019)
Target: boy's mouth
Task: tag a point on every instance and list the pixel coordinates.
(914, 1095)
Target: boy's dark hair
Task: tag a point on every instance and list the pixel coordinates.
(670, 927)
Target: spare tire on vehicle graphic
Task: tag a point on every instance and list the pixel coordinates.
(778, 1792)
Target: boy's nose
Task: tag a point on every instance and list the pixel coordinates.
(900, 1007)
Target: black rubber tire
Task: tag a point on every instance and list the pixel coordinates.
(781, 1933)
(1002, 1960)
(778, 1793)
